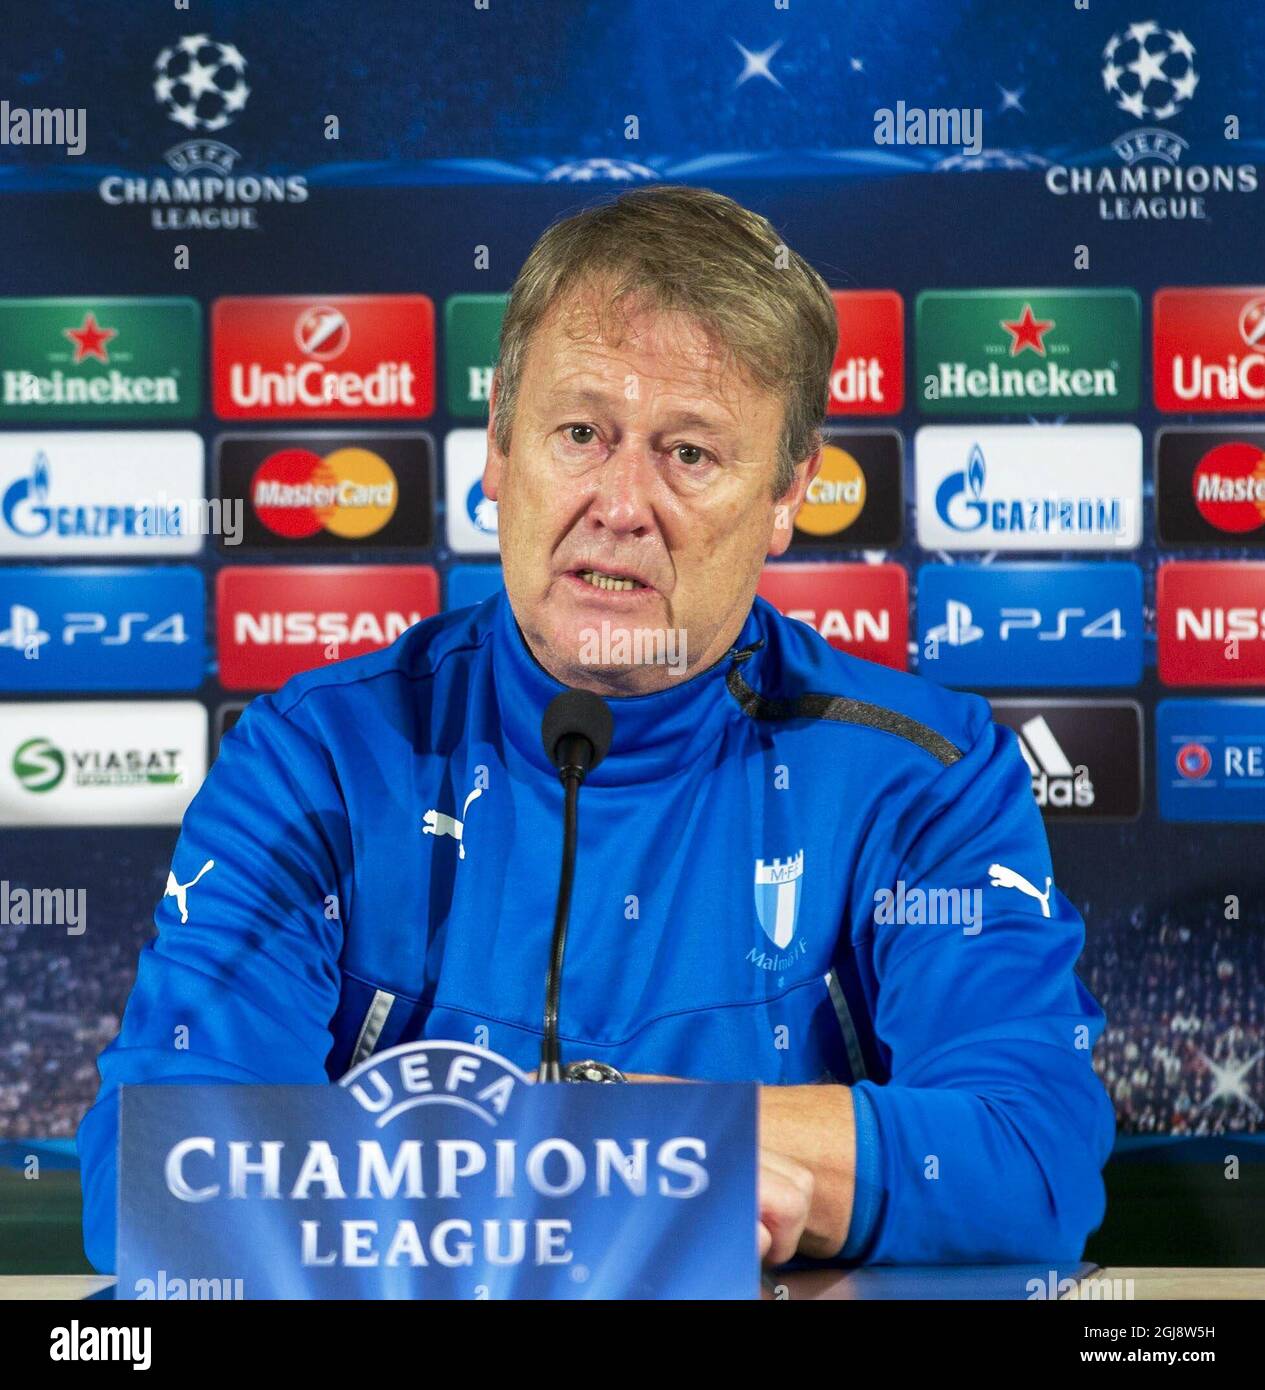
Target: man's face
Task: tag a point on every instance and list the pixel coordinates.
(647, 459)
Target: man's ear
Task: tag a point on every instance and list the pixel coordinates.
(786, 506)
(495, 459)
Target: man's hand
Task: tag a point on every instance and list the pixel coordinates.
(813, 1129)
(786, 1198)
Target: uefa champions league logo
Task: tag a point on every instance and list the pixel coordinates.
(201, 83)
(1150, 71)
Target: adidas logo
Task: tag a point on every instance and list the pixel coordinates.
(1055, 782)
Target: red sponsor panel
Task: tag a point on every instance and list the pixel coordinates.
(342, 357)
(1210, 615)
(277, 620)
(862, 609)
(868, 376)
(1208, 348)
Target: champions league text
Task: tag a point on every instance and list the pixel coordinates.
(198, 1170)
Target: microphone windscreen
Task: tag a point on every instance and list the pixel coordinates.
(577, 712)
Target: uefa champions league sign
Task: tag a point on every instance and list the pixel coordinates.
(438, 1170)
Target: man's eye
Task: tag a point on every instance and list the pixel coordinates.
(581, 434)
(690, 454)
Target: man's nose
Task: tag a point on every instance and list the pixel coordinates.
(624, 487)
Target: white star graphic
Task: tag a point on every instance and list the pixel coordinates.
(1134, 105)
(1142, 31)
(1229, 1081)
(236, 99)
(1111, 76)
(199, 79)
(162, 88)
(163, 58)
(1184, 87)
(756, 64)
(1148, 67)
(1010, 101)
(192, 42)
(1180, 43)
(185, 116)
(856, 65)
(232, 55)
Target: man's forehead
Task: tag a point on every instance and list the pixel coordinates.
(584, 347)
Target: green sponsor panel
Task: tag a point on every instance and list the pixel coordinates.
(99, 359)
(472, 330)
(1028, 352)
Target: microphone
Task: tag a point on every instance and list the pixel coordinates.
(577, 730)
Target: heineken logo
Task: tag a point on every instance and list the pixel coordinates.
(101, 359)
(1027, 351)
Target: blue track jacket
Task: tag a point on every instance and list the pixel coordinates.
(793, 867)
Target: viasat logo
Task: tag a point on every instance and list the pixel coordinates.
(99, 359)
(1027, 351)
(350, 492)
(1209, 349)
(38, 765)
(835, 497)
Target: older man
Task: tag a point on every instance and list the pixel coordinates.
(794, 867)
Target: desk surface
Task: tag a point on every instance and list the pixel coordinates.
(862, 1284)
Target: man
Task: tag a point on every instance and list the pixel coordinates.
(372, 858)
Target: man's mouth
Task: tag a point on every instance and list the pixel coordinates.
(604, 579)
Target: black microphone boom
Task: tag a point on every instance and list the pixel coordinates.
(577, 730)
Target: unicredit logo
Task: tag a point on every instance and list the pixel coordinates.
(868, 376)
(1209, 349)
(277, 621)
(355, 357)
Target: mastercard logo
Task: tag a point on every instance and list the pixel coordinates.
(1228, 486)
(350, 493)
(835, 497)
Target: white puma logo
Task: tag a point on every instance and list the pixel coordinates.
(437, 823)
(180, 891)
(1002, 877)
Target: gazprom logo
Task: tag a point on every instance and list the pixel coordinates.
(971, 480)
(777, 893)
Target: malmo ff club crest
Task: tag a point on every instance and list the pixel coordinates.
(778, 883)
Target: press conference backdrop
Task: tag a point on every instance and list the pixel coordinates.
(274, 276)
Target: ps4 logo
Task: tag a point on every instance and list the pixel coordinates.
(24, 633)
(102, 629)
(959, 627)
(1031, 625)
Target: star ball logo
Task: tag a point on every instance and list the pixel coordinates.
(201, 85)
(1149, 73)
